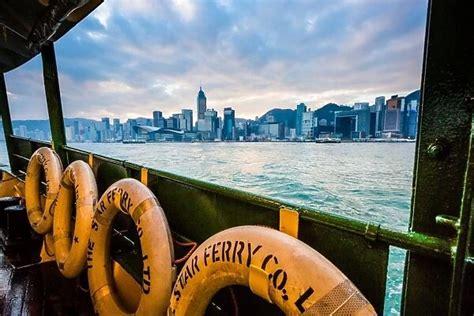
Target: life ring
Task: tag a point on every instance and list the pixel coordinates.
(279, 268)
(78, 190)
(135, 199)
(41, 219)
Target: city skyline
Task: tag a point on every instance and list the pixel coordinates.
(394, 117)
(123, 61)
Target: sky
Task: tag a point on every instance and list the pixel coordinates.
(129, 58)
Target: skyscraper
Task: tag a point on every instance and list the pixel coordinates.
(106, 123)
(229, 124)
(392, 120)
(379, 114)
(201, 104)
(188, 120)
(117, 129)
(300, 109)
(210, 123)
(157, 115)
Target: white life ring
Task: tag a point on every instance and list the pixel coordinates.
(279, 268)
(135, 199)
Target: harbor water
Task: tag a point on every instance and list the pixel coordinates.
(367, 181)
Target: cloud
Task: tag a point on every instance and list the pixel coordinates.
(133, 57)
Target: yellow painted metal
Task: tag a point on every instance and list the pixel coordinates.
(259, 282)
(289, 221)
(144, 176)
(90, 160)
(133, 198)
(297, 277)
(78, 190)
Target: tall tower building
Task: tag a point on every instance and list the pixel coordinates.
(105, 123)
(393, 120)
(188, 117)
(379, 114)
(229, 124)
(300, 109)
(158, 119)
(201, 104)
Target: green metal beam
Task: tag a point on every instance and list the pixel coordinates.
(413, 241)
(7, 122)
(442, 150)
(459, 285)
(53, 99)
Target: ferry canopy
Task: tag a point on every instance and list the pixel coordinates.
(27, 25)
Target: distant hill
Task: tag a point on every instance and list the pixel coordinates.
(287, 116)
(43, 125)
(327, 111)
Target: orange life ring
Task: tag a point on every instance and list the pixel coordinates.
(135, 199)
(44, 159)
(78, 190)
(277, 267)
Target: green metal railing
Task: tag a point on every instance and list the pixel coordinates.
(197, 210)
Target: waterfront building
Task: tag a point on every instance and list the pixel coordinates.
(229, 124)
(118, 129)
(76, 128)
(379, 115)
(354, 123)
(412, 104)
(105, 123)
(188, 120)
(23, 131)
(158, 119)
(210, 121)
(292, 134)
(201, 104)
(132, 124)
(271, 131)
(39, 134)
(300, 109)
(105, 129)
(200, 125)
(171, 122)
(70, 135)
(178, 118)
(308, 123)
(393, 120)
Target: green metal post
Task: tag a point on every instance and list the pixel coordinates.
(442, 152)
(53, 98)
(7, 122)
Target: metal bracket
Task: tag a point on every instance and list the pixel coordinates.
(289, 221)
(90, 161)
(448, 221)
(372, 231)
(144, 176)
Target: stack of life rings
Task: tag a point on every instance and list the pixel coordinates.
(275, 266)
